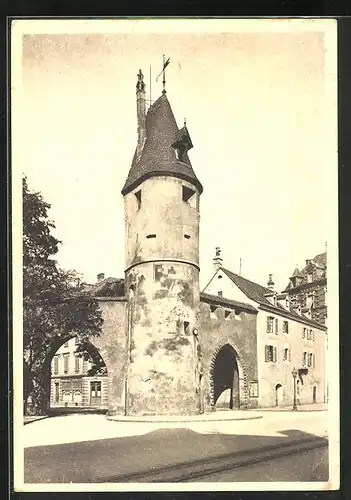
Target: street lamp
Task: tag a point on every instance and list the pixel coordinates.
(294, 374)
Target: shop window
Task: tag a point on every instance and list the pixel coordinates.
(253, 389)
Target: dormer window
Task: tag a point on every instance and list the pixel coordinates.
(180, 152)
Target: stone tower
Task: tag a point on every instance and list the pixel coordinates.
(162, 200)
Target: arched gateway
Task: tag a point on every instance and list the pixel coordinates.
(227, 378)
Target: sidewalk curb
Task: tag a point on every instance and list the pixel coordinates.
(185, 471)
(177, 420)
(36, 419)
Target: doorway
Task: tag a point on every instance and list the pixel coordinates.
(278, 394)
(225, 378)
(57, 392)
(95, 393)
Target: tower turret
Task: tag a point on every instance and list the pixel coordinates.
(162, 201)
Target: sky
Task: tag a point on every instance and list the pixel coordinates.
(260, 106)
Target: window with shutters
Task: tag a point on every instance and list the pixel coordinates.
(287, 354)
(314, 361)
(276, 326)
(65, 363)
(285, 327)
(270, 324)
(55, 365)
(270, 354)
(77, 364)
(310, 359)
(304, 333)
(304, 359)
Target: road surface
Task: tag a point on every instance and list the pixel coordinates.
(90, 449)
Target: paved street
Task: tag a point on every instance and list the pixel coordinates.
(90, 448)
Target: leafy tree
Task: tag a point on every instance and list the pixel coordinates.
(56, 304)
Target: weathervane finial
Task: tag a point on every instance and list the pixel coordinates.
(165, 64)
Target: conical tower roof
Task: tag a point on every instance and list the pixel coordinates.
(158, 156)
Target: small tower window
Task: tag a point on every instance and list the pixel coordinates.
(187, 236)
(186, 327)
(138, 199)
(151, 236)
(187, 193)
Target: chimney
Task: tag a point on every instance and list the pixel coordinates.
(308, 261)
(100, 277)
(217, 261)
(141, 113)
(270, 283)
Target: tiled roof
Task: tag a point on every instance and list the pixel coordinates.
(108, 287)
(252, 290)
(257, 293)
(215, 299)
(319, 261)
(296, 272)
(158, 157)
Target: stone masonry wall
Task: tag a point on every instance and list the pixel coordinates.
(237, 330)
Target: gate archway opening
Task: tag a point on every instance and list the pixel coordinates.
(225, 378)
(78, 377)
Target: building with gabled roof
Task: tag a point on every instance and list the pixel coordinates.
(285, 339)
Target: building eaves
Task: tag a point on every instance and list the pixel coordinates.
(257, 293)
(221, 301)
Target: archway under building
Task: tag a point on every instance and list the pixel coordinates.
(78, 377)
(62, 379)
(225, 379)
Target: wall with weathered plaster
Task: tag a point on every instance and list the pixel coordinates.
(162, 316)
(112, 347)
(162, 213)
(237, 330)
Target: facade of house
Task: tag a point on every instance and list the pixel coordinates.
(307, 289)
(169, 348)
(71, 385)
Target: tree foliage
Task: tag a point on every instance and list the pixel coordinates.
(56, 303)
